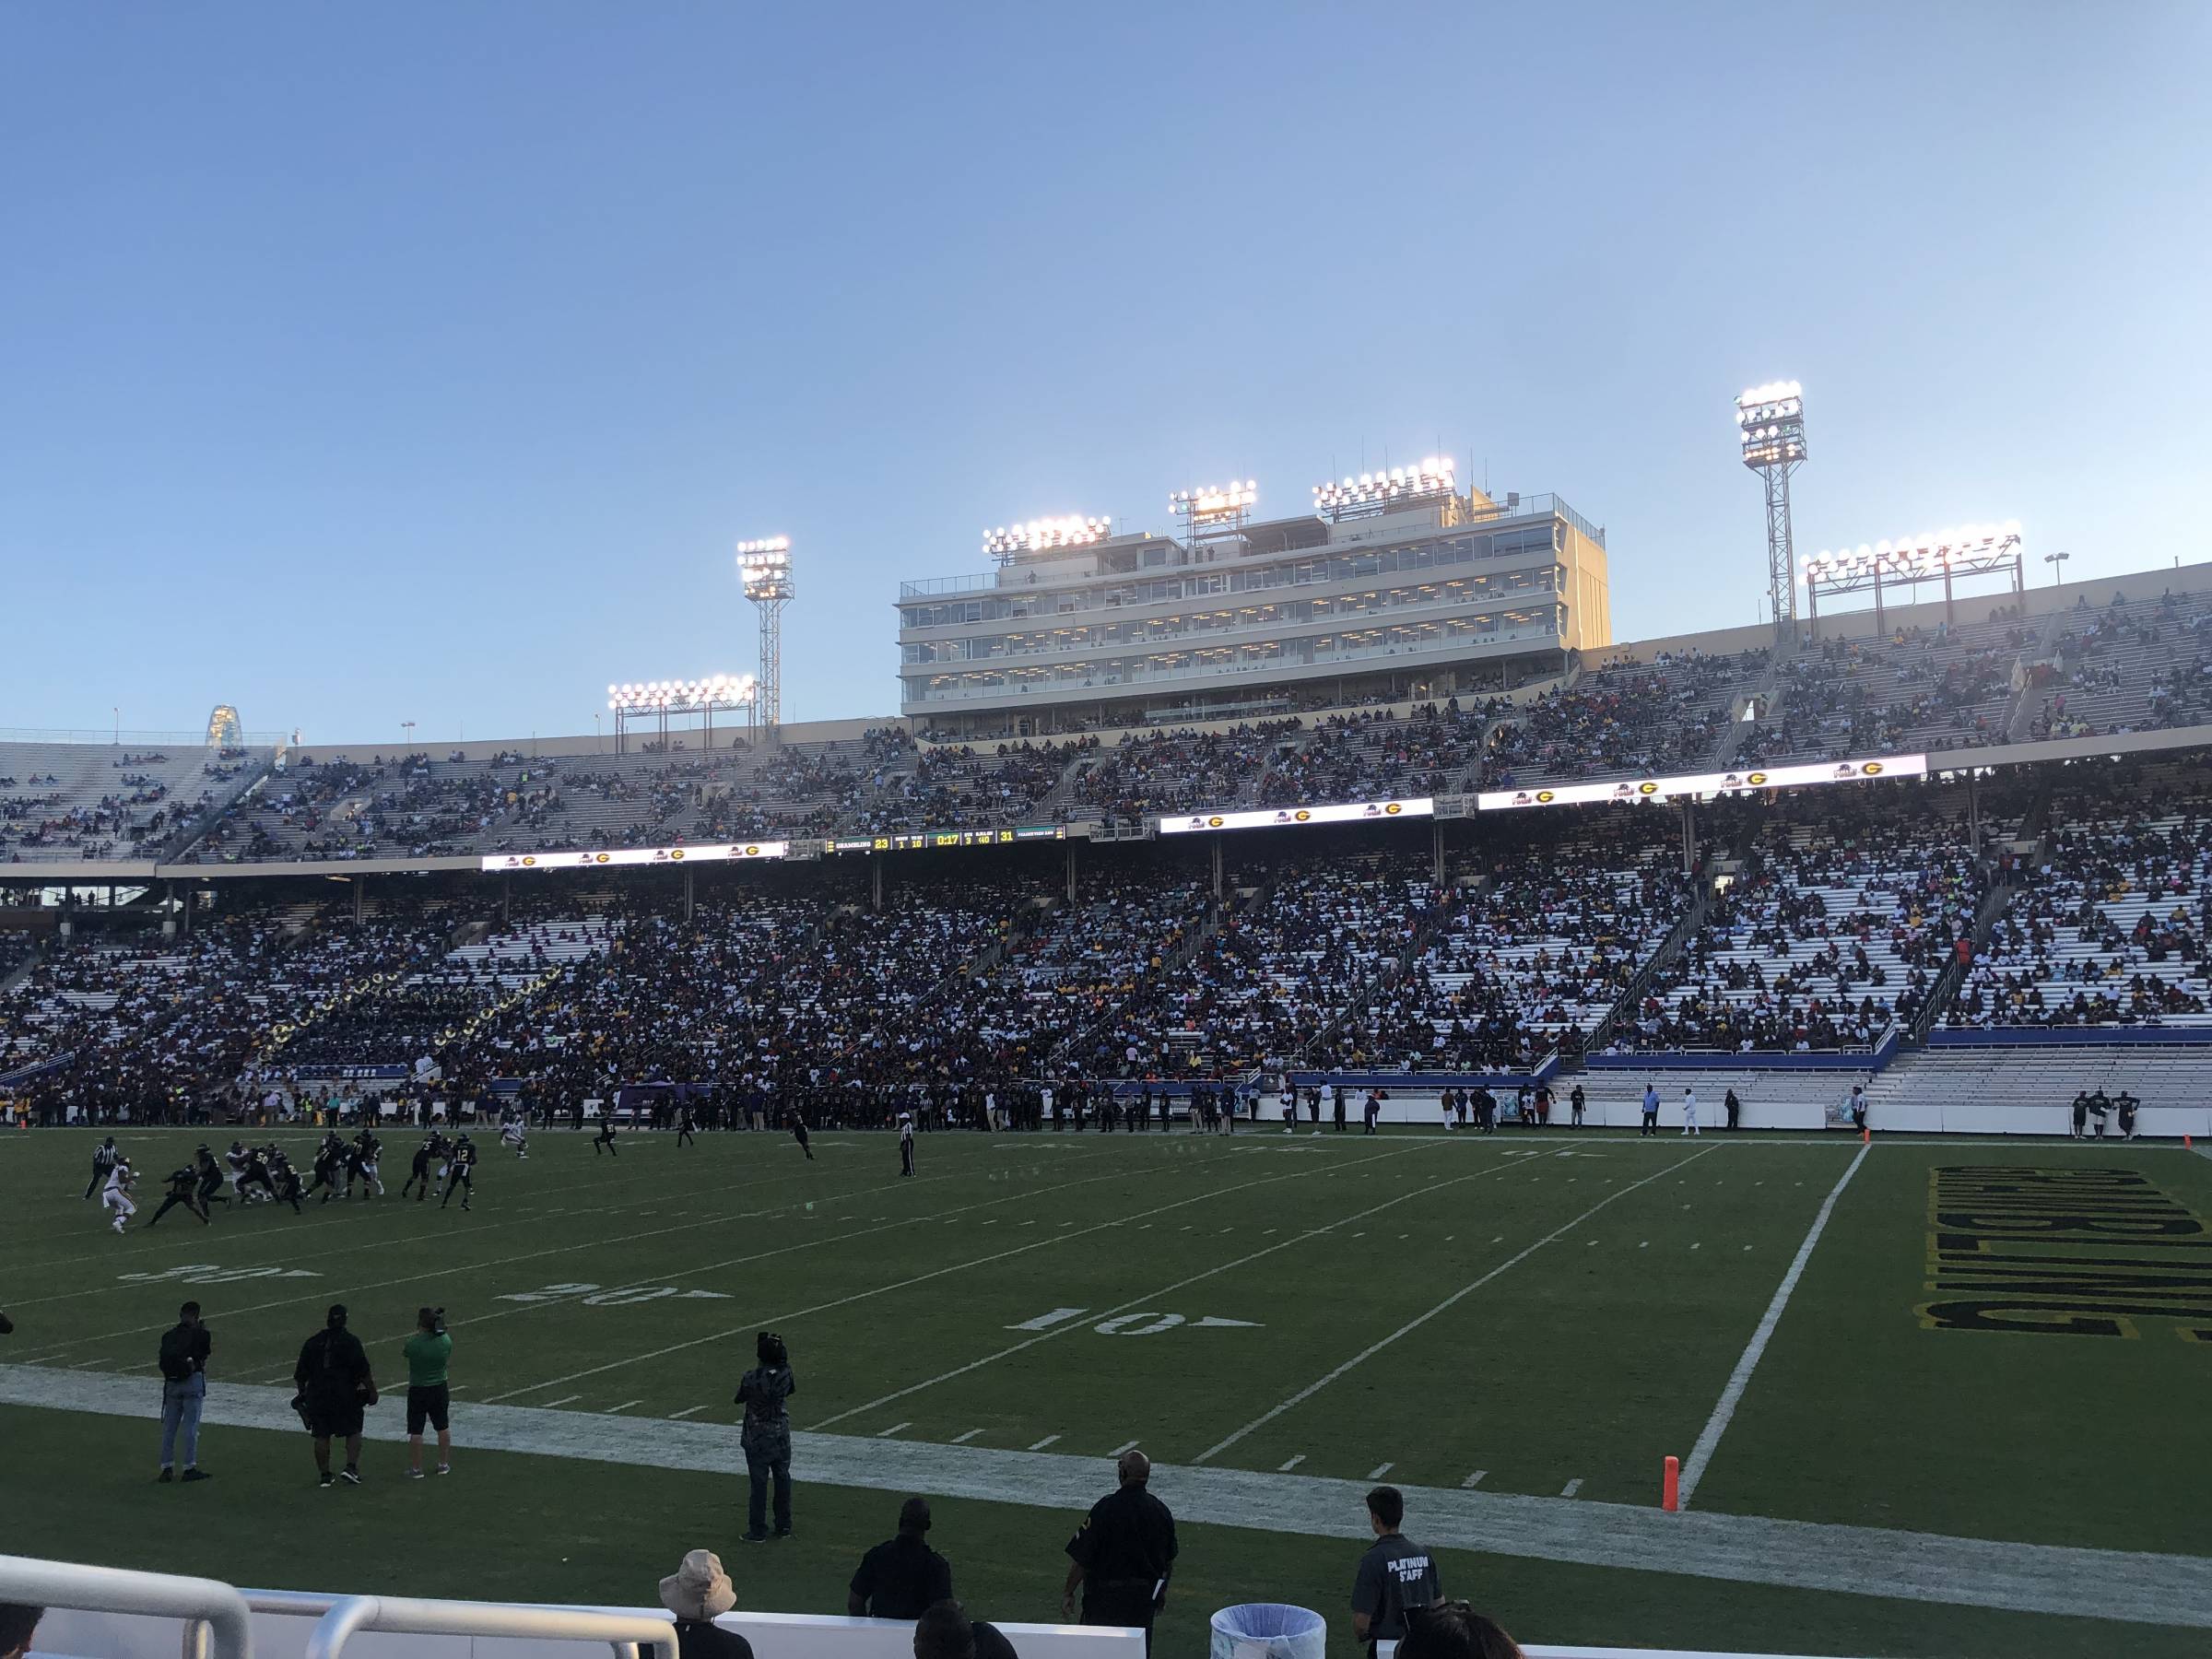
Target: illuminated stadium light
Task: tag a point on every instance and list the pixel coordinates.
(1772, 419)
(1207, 503)
(681, 696)
(1376, 491)
(764, 567)
(1041, 535)
(1770, 427)
(764, 573)
(1945, 555)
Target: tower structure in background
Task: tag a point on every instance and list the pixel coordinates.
(764, 570)
(1773, 421)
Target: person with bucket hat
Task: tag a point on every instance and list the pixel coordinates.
(699, 1593)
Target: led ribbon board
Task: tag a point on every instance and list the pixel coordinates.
(719, 852)
(945, 838)
(1275, 817)
(1702, 783)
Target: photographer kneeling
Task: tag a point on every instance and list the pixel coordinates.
(427, 1352)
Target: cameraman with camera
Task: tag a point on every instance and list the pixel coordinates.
(766, 1436)
(429, 1402)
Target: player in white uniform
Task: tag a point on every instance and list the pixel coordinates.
(115, 1196)
(1689, 1111)
(511, 1136)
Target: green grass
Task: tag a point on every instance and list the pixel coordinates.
(1588, 1361)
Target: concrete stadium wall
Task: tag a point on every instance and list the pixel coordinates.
(1618, 1106)
(773, 1636)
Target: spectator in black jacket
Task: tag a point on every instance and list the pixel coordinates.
(335, 1389)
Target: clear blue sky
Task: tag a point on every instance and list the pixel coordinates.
(361, 364)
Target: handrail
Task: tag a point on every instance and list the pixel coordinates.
(626, 1634)
(218, 1624)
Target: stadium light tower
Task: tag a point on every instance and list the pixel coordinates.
(1772, 420)
(764, 570)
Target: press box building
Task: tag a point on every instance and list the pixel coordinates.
(1396, 586)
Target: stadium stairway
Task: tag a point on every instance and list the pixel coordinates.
(1631, 996)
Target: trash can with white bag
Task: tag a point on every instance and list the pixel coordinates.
(1269, 1631)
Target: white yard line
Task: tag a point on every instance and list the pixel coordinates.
(564, 1400)
(1290, 1464)
(1475, 1479)
(1449, 1302)
(677, 1417)
(1572, 1488)
(1148, 1296)
(886, 1433)
(1380, 1470)
(626, 1405)
(961, 1440)
(905, 1284)
(1041, 1444)
(1723, 1410)
(1124, 1446)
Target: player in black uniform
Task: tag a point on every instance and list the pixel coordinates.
(211, 1178)
(252, 1180)
(361, 1159)
(284, 1181)
(105, 1158)
(461, 1173)
(420, 1170)
(329, 1151)
(906, 1143)
(799, 1132)
(684, 1137)
(606, 1137)
(183, 1188)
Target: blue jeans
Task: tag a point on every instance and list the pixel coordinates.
(761, 1468)
(181, 1407)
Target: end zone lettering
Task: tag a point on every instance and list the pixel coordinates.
(2063, 1252)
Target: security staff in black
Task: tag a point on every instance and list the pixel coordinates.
(1123, 1553)
(1396, 1575)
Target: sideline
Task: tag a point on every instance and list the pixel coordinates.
(2127, 1586)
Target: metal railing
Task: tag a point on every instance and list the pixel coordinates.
(340, 1618)
(218, 1624)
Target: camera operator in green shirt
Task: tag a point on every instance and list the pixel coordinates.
(427, 1352)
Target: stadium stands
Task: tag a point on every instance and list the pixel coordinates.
(1626, 719)
(84, 801)
(2107, 927)
(1834, 927)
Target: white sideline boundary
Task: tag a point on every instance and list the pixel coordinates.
(1723, 1410)
(2126, 1586)
(1453, 1300)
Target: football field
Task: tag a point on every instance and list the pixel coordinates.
(2006, 1347)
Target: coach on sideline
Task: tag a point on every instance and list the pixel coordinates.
(1123, 1553)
